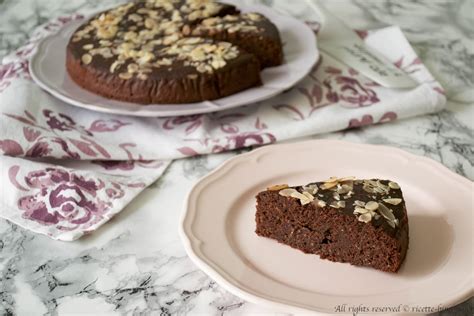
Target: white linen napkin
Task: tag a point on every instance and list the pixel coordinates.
(70, 170)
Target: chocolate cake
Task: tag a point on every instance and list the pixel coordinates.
(172, 51)
(362, 222)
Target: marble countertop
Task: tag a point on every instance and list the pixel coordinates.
(136, 264)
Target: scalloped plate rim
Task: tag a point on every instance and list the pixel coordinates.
(192, 244)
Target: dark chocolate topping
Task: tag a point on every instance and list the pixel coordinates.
(145, 39)
(375, 201)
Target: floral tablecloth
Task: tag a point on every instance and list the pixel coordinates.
(66, 171)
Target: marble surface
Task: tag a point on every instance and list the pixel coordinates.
(135, 264)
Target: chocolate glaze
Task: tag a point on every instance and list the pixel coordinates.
(399, 211)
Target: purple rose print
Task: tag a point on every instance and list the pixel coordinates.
(115, 192)
(45, 178)
(191, 123)
(30, 134)
(234, 138)
(10, 147)
(130, 164)
(10, 71)
(347, 89)
(39, 149)
(36, 209)
(59, 136)
(354, 94)
(106, 125)
(57, 196)
(368, 119)
(62, 122)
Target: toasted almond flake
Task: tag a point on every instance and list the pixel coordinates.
(201, 68)
(349, 194)
(86, 59)
(331, 179)
(142, 76)
(197, 54)
(130, 36)
(170, 39)
(208, 68)
(218, 63)
(321, 203)
(297, 195)
(150, 23)
(393, 201)
(105, 43)
(164, 62)
(88, 46)
(286, 192)
(233, 29)
(371, 205)
(367, 188)
(191, 40)
(394, 185)
(365, 218)
(342, 189)
(308, 195)
(386, 212)
(145, 58)
(328, 185)
(311, 188)
(114, 65)
(135, 17)
(231, 18)
(231, 55)
(359, 203)
(277, 187)
(341, 204)
(194, 15)
(360, 210)
(132, 68)
(176, 16)
(391, 223)
(334, 204)
(210, 21)
(254, 16)
(125, 75)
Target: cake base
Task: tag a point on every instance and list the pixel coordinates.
(166, 90)
(331, 233)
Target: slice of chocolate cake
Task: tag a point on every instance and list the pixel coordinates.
(362, 222)
(252, 32)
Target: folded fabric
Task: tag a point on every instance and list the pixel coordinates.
(70, 170)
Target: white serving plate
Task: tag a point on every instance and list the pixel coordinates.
(218, 225)
(48, 69)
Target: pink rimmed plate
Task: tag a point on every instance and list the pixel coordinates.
(218, 224)
(48, 69)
